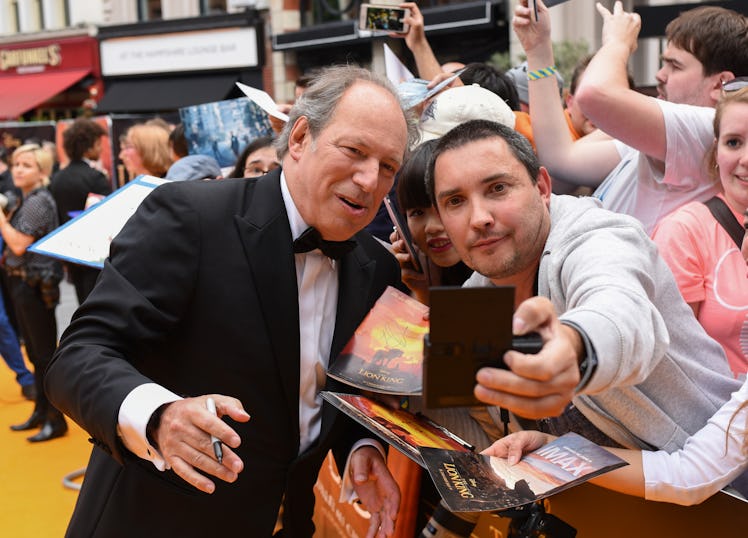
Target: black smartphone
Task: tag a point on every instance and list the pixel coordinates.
(532, 4)
(469, 328)
(383, 18)
(401, 225)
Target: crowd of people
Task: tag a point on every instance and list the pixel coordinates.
(242, 292)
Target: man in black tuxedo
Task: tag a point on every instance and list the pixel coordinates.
(203, 295)
(71, 185)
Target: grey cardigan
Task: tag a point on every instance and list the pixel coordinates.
(660, 377)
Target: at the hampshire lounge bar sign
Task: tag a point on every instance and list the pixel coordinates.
(32, 56)
(185, 51)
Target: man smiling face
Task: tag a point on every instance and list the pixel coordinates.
(495, 214)
(341, 175)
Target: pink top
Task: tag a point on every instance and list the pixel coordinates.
(710, 270)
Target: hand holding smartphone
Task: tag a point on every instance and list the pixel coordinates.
(404, 232)
(383, 18)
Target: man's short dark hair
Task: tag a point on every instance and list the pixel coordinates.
(476, 130)
(80, 137)
(716, 36)
(178, 141)
(492, 79)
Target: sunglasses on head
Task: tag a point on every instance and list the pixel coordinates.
(735, 84)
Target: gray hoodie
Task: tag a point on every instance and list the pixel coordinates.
(660, 377)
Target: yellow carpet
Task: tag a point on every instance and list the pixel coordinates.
(34, 503)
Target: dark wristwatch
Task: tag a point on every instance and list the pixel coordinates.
(588, 362)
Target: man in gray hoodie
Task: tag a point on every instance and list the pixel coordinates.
(624, 361)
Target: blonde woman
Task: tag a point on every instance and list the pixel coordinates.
(145, 150)
(33, 279)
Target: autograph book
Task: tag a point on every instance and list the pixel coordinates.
(470, 482)
(385, 354)
(405, 431)
(85, 239)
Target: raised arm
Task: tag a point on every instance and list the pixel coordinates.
(604, 94)
(426, 63)
(584, 162)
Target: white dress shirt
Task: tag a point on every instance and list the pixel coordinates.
(317, 279)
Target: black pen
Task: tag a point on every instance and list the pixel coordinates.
(217, 449)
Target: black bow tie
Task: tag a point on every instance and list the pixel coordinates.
(312, 239)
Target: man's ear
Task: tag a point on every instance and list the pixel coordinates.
(715, 93)
(299, 137)
(544, 184)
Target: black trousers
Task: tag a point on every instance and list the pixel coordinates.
(38, 327)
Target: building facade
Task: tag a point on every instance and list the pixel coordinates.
(292, 36)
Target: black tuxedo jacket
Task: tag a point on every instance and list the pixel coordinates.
(199, 295)
(71, 185)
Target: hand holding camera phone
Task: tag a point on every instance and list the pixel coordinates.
(470, 328)
(383, 18)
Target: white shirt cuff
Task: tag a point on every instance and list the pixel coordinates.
(347, 493)
(134, 413)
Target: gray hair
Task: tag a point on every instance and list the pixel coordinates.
(321, 98)
(476, 130)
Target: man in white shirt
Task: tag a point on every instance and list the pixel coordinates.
(214, 289)
(647, 157)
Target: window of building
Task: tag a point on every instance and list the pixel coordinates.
(149, 10)
(212, 7)
(15, 17)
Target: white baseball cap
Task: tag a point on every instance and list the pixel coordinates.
(460, 104)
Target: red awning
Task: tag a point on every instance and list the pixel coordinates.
(21, 93)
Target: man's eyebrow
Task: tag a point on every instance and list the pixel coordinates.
(357, 141)
(447, 193)
(485, 180)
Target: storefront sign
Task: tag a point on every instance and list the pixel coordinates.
(48, 55)
(34, 56)
(185, 51)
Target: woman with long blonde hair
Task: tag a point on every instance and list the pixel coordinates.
(33, 279)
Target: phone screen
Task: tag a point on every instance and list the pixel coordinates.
(382, 18)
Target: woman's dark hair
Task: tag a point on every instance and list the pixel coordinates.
(257, 143)
(411, 179)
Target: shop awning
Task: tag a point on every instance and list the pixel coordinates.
(166, 93)
(21, 93)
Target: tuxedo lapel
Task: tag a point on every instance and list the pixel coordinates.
(264, 228)
(356, 278)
